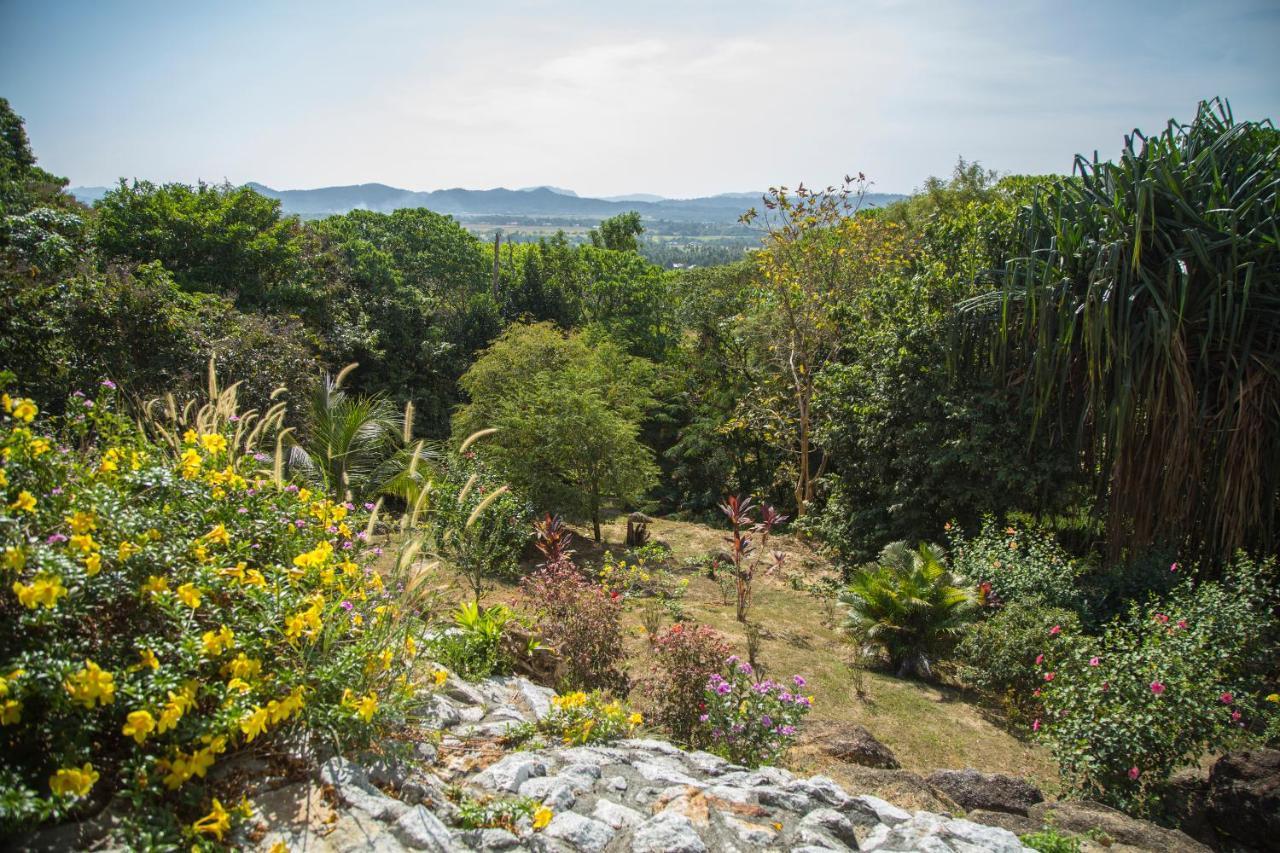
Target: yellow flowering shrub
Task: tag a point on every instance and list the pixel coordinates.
(581, 718)
(166, 605)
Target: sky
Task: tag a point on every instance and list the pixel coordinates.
(680, 99)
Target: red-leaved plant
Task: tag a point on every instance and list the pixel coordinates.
(684, 657)
(745, 552)
(580, 620)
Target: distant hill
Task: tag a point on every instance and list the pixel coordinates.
(532, 201)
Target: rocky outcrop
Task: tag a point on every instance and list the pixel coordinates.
(856, 745)
(1243, 799)
(639, 794)
(1084, 816)
(995, 792)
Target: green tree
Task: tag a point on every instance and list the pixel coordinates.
(1141, 314)
(620, 233)
(567, 413)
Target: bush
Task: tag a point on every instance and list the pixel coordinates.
(639, 574)
(473, 647)
(684, 657)
(998, 654)
(1018, 565)
(580, 718)
(1159, 688)
(583, 622)
(751, 722)
(167, 607)
(908, 606)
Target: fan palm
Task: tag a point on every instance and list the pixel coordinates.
(358, 447)
(908, 606)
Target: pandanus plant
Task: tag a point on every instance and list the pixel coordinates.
(745, 551)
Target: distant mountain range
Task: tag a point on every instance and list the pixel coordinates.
(531, 201)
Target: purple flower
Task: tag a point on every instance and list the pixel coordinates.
(362, 536)
(702, 718)
(784, 696)
(787, 730)
(299, 523)
(347, 605)
(56, 490)
(243, 510)
(261, 457)
(349, 505)
(107, 383)
(291, 488)
(348, 545)
(723, 688)
(88, 404)
(731, 659)
(744, 668)
(799, 680)
(368, 505)
(767, 721)
(377, 552)
(332, 528)
(56, 538)
(234, 419)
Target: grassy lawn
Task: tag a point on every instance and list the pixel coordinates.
(927, 726)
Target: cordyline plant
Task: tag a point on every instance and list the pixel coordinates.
(746, 553)
(553, 540)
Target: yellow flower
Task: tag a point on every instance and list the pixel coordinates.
(138, 725)
(239, 685)
(190, 437)
(219, 534)
(279, 847)
(1274, 697)
(636, 718)
(4, 478)
(254, 723)
(244, 666)
(304, 495)
(91, 684)
(126, 549)
(93, 564)
(216, 642)
(410, 647)
(25, 502)
(148, 659)
(45, 589)
(82, 522)
(177, 705)
(189, 595)
(440, 677)
(83, 542)
(365, 707)
(15, 559)
(110, 461)
(24, 410)
(39, 446)
(10, 712)
(215, 823)
(314, 558)
(541, 818)
(189, 464)
(253, 577)
(213, 442)
(155, 585)
(73, 781)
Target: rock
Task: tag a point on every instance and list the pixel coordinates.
(1015, 823)
(616, 815)
(867, 810)
(1082, 816)
(352, 786)
(583, 833)
(980, 837)
(461, 691)
(771, 795)
(489, 839)
(1186, 802)
(387, 773)
(553, 793)
(426, 751)
(537, 697)
(996, 792)
(856, 745)
(616, 783)
(419, 829)
(1244, 797)
(667, 833)
(510, 772)
(931, 833)
(356, 832)
(665, 772)
(751, 833)
(901, 787)
(438, 712)
(705, 762)
(648, 745)
(830, 822)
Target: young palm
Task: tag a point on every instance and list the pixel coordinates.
(908, 606)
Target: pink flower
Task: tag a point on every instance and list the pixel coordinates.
(1093, 661)
(1106, 685)
(1048, 676)
(1235, 716)
(1157, 688)
(1161, 618)
(1227, 698)
(1055, 630)
(1039, 659)
(1173, 567)
(1035, 725)
(1182, 623)
(1134, 772)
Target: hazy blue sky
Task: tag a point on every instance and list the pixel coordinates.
(677, 98)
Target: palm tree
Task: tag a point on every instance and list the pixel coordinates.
(359, 447)
(908, 606)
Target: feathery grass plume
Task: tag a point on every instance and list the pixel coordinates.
(373, 518)
(484, 504)
(408, 554)
(407, 435)
(474, 437)
(280, 389)
(343, 374)
(277, 465)
(466, 489)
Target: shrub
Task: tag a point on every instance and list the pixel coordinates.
(583, 622)
(580, 718)
(684, 657)
(1160, 687)
(1049, 840)
(1017, 565)
(491, 813)
(907, 606)
(638, 575)
(168, 607)
(751, 722)
(475, 525)
(998, 654)
(473, 648)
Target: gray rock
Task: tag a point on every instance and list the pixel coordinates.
(667, 833)
(387, 773)
(757, 834)
(649, 745)
(461, 691)
(808, 838)
(616, 815)
(489, 839)
(1015, 823)
(705, 762)
(997, 792)
(665, 773)
(830, 822)
(438, 712)
(352, 786)
(583, 833)
(1081, 816)
(553, 793)
(772, 795)
(616, 783)
(866, 810)
(978, 837)
(357, 832)
(419, 829)
(426, 751)
(510, 772)
(537, 697)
